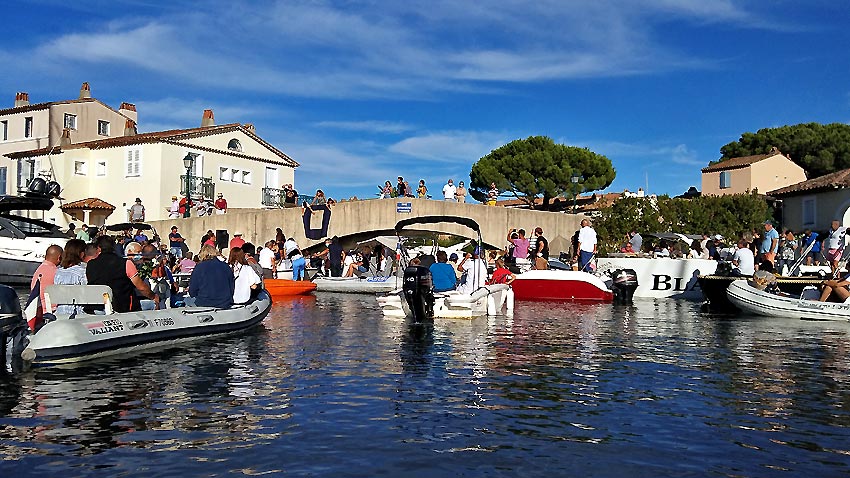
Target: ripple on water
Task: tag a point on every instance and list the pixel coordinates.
(326, 386)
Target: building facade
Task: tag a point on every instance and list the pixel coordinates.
(815, 203)
(761, 173)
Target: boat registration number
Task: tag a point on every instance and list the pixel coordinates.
(163, 322)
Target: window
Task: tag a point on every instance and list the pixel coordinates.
(80, 168)
(235, 175)
(725, 179)
(809, 211)
(272, 178)
(4, 130)
(100, 169)
(27, 170)
(224, 174)
(103, 128)
(134, 163)
(3, 172)
(234, 145)
(246, 177)
(28, 127)
(70, 121)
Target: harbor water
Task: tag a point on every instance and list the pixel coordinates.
(327, 387)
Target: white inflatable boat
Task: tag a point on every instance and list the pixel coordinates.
(80, 337)
(357, 285)
(806, 306)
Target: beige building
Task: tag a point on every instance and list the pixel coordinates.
(26, 126)
(815, 203)
(228, 159)
(760, 173)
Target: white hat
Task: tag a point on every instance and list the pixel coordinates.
(237, 233)
(718, 237)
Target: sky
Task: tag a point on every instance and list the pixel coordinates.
(359, 92)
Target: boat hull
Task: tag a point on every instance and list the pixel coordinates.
(353, 285)
(495, 299)
(560, 285)
(662, 277)
(88, 337)
(714, 289)
(288, 288)
(758, 302)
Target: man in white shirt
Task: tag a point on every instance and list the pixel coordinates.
(267, 261)
(586, 245)
(744, 260)
(476, 273)
(449, 191)
(174, 210)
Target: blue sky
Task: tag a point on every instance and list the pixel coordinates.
(363, 91)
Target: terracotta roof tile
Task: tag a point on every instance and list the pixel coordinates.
(89, 203)
(836, 180)
(735, 163)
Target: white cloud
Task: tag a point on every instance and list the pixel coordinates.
(372, 126)
(449, 146)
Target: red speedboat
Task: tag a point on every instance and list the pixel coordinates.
(560, 285)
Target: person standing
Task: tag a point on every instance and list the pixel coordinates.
(422, 190)
(387, 190)
(769, 243)
(46, 271)
(267, 260)
(137, 211)
(237, 241)
(335, 256)
(449, 191)
(175, 243)
(541, 250)
(492, 195)
(174, 210)
(586, 245)
(811, 238)
(83, 233)
(521, 243)
(636, 240)
(400, 188)
(290, 196)
(460, 192)
(220, 204)
(834, 243)
(788, 252)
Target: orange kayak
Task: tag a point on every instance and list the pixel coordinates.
(285, 287)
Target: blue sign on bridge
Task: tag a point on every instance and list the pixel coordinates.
(404, 207)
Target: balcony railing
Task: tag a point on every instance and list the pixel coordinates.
(274, 197)
(198, 186)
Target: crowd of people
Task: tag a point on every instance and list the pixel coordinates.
(450, 191)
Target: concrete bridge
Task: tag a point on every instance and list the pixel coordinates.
(358, 220)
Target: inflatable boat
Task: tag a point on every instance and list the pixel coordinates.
(751, 299)
(288, 288)
(82, 336)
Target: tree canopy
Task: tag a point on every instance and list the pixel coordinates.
(535, 166)
(818, 148)
(731, 215)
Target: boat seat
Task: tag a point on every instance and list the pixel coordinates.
(78, 295)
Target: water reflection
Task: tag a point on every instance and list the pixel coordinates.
(327, 386)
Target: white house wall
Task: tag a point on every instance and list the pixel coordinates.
(829, 205)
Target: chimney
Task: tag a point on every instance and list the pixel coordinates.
(208, 119)
(85, 91)
(129, 110)
(250, 127)
(130, 128)
(22, 99)
(65, 141)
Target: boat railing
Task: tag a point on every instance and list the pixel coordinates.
(78, 295)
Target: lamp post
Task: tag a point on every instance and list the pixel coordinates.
(575, 179)
(188, 163)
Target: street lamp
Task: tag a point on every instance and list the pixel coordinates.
(575, 179)
(188, 163)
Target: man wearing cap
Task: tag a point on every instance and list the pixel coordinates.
(175, 243)
(237, 241)
(769, 243)
(714, 246)
(174, 210)
(220, 204)
(137, 211)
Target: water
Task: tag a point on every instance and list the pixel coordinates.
(327, 387)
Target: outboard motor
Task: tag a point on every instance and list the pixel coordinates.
(53, 189)
(37, 187)
(419, 293)
(14, 331)
(623, 284)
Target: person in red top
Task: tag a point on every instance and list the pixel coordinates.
(501, 275)
(46, 272)
(237, 240)
(220, 204)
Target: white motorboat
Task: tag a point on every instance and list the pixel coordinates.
(357, 285)
(417, 299)
(84, 336)
(24, 240)
(744, 295)
(661, 277)
(496, 299)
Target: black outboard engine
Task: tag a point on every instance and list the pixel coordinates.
(14, 331)
(623, 284)
(419, 293)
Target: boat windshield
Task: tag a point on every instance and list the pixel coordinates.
(28, 226)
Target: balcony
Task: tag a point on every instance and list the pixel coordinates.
(273, 197)
(198, 186)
